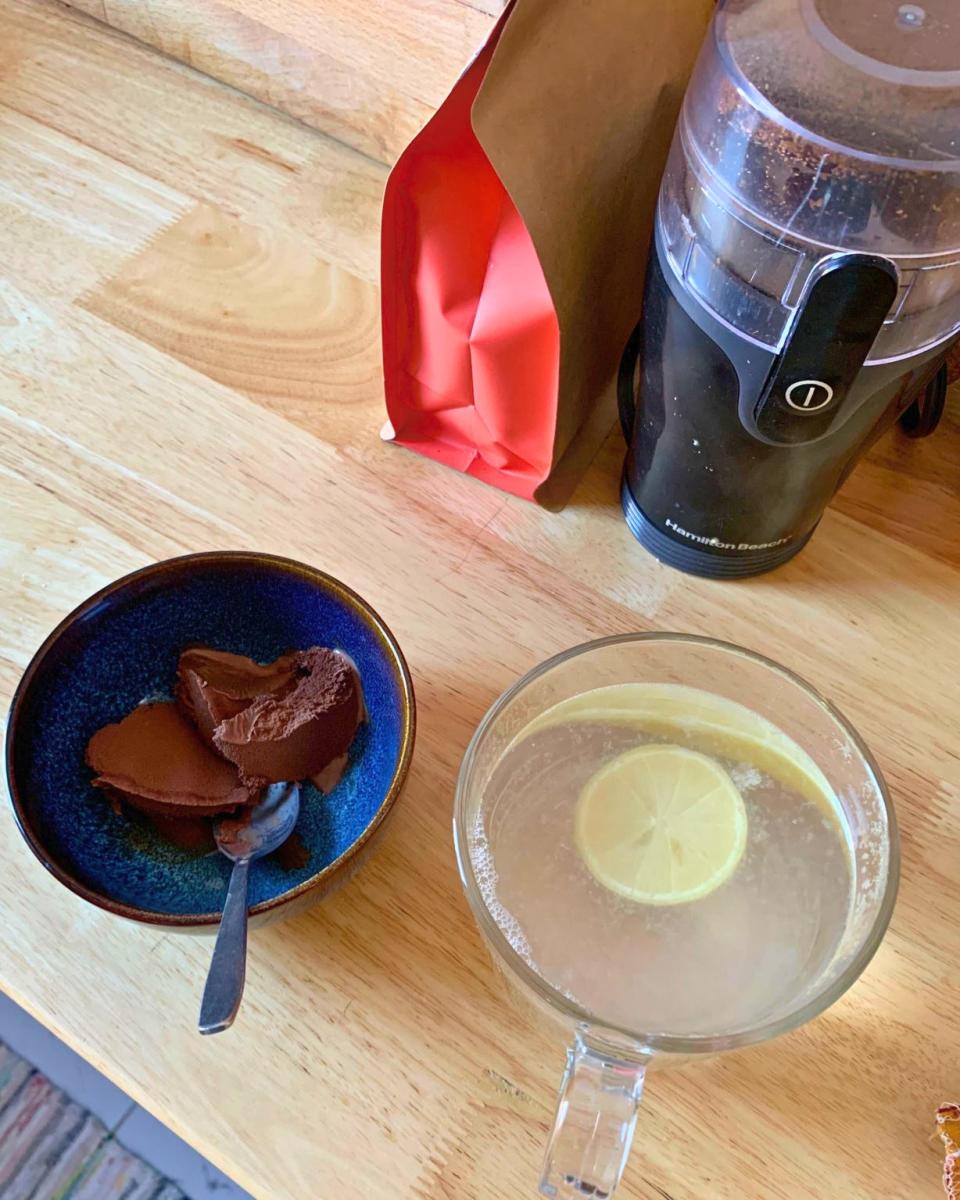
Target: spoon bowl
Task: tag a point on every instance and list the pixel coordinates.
(263, 827)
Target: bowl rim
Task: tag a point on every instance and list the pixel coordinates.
(244, 558)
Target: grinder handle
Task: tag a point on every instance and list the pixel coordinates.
(626, 401)
(923, 416)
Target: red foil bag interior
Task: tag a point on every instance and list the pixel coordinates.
(515, 233)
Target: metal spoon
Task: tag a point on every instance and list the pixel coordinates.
(260, 830)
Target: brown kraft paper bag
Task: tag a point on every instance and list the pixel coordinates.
(515, 237)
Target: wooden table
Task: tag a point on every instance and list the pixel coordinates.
(189, 359)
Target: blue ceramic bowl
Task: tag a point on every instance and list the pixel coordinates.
(120, 647)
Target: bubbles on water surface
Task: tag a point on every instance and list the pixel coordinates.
(486, 876)
(746, 777)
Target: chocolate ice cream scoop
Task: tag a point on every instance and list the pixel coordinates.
(213, 686)
(288, 720)
(155, 760)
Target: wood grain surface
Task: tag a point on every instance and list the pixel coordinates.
(369, 73)
(189, 360)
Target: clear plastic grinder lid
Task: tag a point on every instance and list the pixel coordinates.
(911, 44)
(836, 120)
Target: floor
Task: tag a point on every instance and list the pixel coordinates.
(132, 1126)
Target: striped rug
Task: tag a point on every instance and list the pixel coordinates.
(51, 1148)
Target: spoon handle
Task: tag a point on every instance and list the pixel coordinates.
(228, 967)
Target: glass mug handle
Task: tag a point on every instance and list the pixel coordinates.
(593, 1129)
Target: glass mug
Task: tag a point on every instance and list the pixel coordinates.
(610, 1050)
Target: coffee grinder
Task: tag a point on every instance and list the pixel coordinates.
(803, 287)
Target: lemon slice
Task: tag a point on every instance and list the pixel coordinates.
(661, 825)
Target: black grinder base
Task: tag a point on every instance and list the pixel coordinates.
(705, 563)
